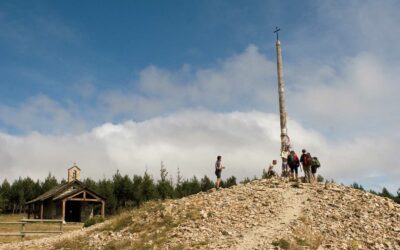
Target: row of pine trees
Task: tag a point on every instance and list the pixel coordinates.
(123, 191)
(383, 193)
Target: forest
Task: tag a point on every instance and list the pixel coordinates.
(123, 191)
(120, 191)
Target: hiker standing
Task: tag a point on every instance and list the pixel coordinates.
(314, 166)
(285, 153)
(303, 154)
(218, 170)
(307, 162)
(294, 163)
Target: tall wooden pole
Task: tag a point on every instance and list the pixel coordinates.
(281, 91)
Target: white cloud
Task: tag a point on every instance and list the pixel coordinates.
(40, 113)
(363, 92)
(243, 81)
(191, 140)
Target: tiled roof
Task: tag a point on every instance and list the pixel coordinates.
(52, 193)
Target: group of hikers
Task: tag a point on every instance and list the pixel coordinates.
(290, 166)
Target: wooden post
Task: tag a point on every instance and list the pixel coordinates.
(22, 230)
(41, 211)
(103, 209)
(63, 210)
(61, 226)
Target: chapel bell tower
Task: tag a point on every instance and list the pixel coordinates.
(74, 173)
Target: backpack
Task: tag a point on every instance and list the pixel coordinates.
(315, 162)
(290, 160)
(307, 160)
(296, 160)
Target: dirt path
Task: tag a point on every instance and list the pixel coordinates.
(262, 237)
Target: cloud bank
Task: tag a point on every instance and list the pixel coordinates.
(191, 141)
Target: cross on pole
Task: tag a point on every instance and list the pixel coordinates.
(276, 31)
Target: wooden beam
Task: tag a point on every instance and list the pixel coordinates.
(103, 209)
(85, 194)
(41, 210)
(77, 194)
(80, 199)
(63, 210)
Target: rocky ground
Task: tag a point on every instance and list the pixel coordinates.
(263, 214)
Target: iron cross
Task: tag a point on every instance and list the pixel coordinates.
(276, 31)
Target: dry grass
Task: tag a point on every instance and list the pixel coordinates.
(16, 228)
(79, 242)
(150, 223)
(304, 237)
(157, 225)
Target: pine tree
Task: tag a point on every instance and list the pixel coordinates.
(137, 190)
(122, 190)
(397, 199)
(386, 193)
(89, 183)
(17, 195)
(179, 192)
(191, 186)
(2, 203)
(49, 183)
(355, 185)
(165, 188)
(5, 191)
(105, 188)
(206, 183)
(148, 189)
(31, 189)
(245, 180)
(231, 181)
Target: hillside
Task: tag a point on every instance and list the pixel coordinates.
(263, 214)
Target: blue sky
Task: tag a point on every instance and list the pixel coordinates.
(47, 46)
(71, 69)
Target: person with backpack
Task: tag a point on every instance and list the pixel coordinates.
(307, 162)
(218, 170)
(294, 163)
(314, 166)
